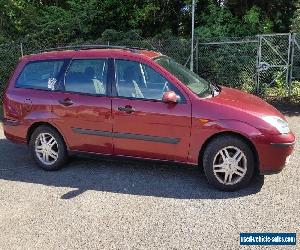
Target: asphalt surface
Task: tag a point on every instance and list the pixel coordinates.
(114, 204)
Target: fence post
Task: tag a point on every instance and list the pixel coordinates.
(258, 61)
(290, 79)
(288, 69)
(197, 55)
(22, 51)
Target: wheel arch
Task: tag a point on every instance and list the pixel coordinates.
(35, 125)
(234, 134)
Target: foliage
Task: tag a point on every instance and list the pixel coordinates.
(278, 12)
(66, 20)
(15, 18)
(255, 23)
(229, 64)
(112, 35)
(280, 91)
(296, 21)
(9, 55)
(219, 21)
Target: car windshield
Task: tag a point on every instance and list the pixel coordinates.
(194, 82)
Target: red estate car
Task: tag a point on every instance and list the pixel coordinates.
(138, 103)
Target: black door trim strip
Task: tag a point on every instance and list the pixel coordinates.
(284, 144)
(126, 135)
(91, 132)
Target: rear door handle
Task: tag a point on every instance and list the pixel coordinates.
(66, 102)
(127, 109)
(28, 101)
(28, 104)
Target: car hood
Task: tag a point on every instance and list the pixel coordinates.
(244, 102)
(233, 104)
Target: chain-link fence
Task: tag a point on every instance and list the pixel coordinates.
(177, 48)
(232, 63)
(296, 59)
(9, 55)
(266, 64)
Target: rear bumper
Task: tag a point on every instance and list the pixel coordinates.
(15, 131)
(274, 152)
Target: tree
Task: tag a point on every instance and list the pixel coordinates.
(15, 18)
(218, 21)
(279, 12)
(296, 21)
(65, 21)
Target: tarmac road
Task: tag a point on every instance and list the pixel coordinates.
(113, 204)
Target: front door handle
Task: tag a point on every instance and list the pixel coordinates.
(127, 109)
(66, 102)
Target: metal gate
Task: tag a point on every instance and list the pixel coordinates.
(275, 60)
(262, 62)
(295, 72)
(272, 59)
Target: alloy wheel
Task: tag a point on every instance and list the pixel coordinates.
(230, 165)
(46, 148)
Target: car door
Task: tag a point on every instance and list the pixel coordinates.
(82, 107)
(143, 125)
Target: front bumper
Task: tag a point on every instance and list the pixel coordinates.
(274, 152)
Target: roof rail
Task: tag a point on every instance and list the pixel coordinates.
(88, 47)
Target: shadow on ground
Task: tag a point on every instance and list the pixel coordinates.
(288, 109)
(291, 113)
(117, 176)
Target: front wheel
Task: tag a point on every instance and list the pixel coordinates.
(228, 163)
(48, 148)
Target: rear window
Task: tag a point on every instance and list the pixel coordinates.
(40, 75)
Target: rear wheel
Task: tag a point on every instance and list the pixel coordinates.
(48, 148)
(228, 163)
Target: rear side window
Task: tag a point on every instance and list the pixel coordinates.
(87, 76)
(40, 75)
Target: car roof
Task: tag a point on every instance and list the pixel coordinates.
(93, 52)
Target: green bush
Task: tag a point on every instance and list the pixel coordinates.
(228, 64)
(9, 55)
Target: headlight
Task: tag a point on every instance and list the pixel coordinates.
(278, 123)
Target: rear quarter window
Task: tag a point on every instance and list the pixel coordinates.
(40, 75)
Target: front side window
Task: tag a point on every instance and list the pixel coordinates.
(194, 82)
(87, 76)
(137, 80)
(40, 75)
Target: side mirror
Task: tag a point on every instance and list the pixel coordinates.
(170, 97)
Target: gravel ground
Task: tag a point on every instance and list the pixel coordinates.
(113, 204)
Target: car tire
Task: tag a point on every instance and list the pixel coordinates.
(48, 148)
(228, 163)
